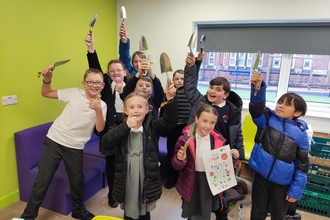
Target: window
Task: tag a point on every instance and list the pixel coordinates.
(294, 58)
(211, 58)
(277, 60)
(241, 59)
(232, 59)
(249, 59)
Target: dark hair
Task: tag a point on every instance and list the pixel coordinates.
(128, 75)
(218, 81)
(298, 102)
(180, 71)
(206, 108)
(93, 70)
(146, 79)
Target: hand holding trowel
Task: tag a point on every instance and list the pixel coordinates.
(165, 66)
(257, 84)
(192, 42)
(91, 24)
(59, 63)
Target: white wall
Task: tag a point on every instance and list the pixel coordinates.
(168, 24)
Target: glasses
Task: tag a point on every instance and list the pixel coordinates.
(116, 71)
(91, 83)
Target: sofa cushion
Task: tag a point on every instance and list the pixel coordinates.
(28, 139)
(92, 147)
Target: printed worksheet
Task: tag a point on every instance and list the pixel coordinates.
(219, 169)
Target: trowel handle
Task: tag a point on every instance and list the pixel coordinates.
(202, 49)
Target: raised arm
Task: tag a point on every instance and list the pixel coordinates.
(93, 60)
(124, 49)
(46, 89)
(190, 80)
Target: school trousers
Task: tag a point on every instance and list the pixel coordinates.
(265, 192)
(52, 154)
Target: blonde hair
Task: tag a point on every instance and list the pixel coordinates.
(134, 94)
(93, 70)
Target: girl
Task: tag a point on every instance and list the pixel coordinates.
(137, 179)
(192, 185)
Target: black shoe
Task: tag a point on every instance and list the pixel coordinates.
(83, 215)
(170, 183)
(112, 202)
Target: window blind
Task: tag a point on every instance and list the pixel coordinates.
(290, 38)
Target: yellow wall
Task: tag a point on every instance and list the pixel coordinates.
(33, 35)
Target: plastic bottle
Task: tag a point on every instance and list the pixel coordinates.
(240, 211)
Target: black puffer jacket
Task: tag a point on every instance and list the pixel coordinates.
(152, 129)
(196, 99)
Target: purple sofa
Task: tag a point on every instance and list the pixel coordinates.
(29, 144)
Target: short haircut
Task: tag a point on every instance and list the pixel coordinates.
(298, 102)
(218, 81)
(93, 70)
(180, 71)
(128, 75)
(146, 79)
(134, 94)
(206, 108)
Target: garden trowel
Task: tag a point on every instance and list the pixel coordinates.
(165, 65)
(143, 45)
(122, 14)
(91, 24)
(203, 39)
(191, 134)
(59, 63)
(192, 42)
(255, 69)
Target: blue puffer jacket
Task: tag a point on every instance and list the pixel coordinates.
(280, 152)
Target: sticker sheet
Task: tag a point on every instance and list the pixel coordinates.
(219, 169)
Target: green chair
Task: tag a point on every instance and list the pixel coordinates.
(249, 130)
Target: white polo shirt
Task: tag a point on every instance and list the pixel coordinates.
(74, 127)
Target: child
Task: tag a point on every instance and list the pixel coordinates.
(124, 50)
(143, 84)
(227, 103)
(183, 115)
(192, 185)
(137, 178)
(280, 154)
(66, 139)
(112, 95)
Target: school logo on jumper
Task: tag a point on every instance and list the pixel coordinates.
(225, 118)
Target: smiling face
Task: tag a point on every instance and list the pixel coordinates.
(136, 106)
(93, 83)
(205, 123)
(286, 110)
(116, 72)
(216, 94)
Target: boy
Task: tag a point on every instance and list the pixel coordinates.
(145, 85)
(228, 105)
(280, 153)
(66, 139)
